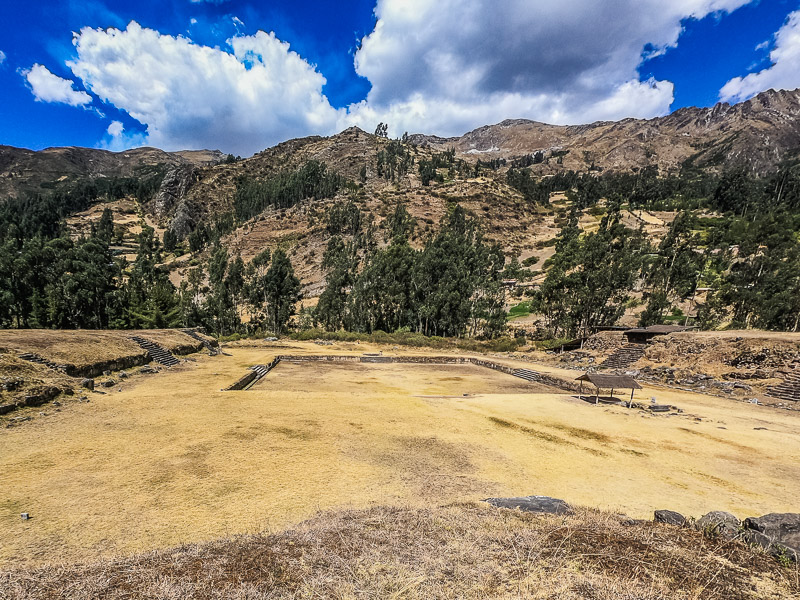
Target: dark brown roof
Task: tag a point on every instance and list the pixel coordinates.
(610, 381)
(658, 329)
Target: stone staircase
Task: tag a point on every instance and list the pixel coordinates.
(260, 371)
(526, 374)
(789, 388)
(39, 360)
(158, 353)
(206, 344)
(624, 357)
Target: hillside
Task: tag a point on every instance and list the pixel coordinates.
(519, 180)
(757, 133)
(23, 170)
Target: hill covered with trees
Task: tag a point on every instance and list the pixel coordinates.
(410, 234)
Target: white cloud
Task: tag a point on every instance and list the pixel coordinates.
(783, 74)
(446, 66)
(47, 87)
(435, 66)
(117, 139)
(193, 96)
(2, 57)
(115, 129)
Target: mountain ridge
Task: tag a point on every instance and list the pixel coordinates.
(768, 125)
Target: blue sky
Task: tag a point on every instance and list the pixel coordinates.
(192, 74)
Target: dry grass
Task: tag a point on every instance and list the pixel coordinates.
(85, 346)
(170, 459)
(456, 551)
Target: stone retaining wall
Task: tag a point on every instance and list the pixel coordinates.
(126, 362)
(551, 380)
(243, 382)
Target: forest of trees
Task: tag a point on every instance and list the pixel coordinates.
(450, 287)
(735, 243)
(49, 278)
(745, 256)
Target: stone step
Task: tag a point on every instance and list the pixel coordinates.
(526, 374)
(158, 353)
(624, 356)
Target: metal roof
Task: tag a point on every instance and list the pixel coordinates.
(610, 381)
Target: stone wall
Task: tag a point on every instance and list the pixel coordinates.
(242, 382)
(551, 380)
(126, 362)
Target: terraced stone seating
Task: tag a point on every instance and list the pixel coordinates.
(527, 374)
(158, 353)
(624, 357)
(789, 388)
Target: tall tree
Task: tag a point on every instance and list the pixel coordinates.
(282, 292)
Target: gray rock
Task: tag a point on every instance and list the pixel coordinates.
(756, 538)
(173, 188)
(109, 383)
(88, 384)
(779, 528)
(718, 522)
(536, 504)
(123, 375)
(183, 223)
(670, 517)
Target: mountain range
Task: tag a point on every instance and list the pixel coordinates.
(199, 185)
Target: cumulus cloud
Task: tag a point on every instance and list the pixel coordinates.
(447, 66)
(2, 57)
(118, 139)
(193, 96)
(47, 87)
(115, 129)
(783, 74)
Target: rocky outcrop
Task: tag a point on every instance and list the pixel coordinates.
(184, 221)
(36, 397)
(778, 534)
(173, 188)
(670, 517)
(720, 523)
(534, 504)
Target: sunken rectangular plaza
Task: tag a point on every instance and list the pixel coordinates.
(164, 458)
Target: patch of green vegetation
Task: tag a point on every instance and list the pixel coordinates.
(523, 309)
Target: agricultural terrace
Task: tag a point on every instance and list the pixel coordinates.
(162, 459)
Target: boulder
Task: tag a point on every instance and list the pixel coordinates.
(536, 504)
(670, 517)
(109, 383)
(781, 529)
(718, 522)
(88, 384)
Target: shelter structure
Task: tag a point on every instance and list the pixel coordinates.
(608, 382)
(643, 335)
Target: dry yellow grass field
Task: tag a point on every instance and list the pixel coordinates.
(169, 458)
(82, 347)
